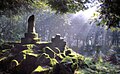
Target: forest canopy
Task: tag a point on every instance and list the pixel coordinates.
(109, 9)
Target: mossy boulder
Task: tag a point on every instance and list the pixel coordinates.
(18, 48)
(49, 51)
(61, 69)
(26, 66)
(41, 70)
(43, 60)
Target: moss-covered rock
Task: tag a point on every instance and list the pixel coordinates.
(26, 66)
(61, 69)
(43, 60)
(41, 70)
(49, 51)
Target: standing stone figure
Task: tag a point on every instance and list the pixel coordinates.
(31, 24)
(31, 37)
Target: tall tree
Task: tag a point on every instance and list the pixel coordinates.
(109, 10)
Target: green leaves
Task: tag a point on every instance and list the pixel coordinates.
(64, 6)
(110, 13)
(19, 6)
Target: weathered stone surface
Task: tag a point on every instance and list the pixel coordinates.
(13, 64)
(19, 57)
(26, 66)
(49, 51)
(31, 24)
(58, 42)
(31, 37)
(62, 69)
(55, 49)
(18, 48)
(68, 52)
(43, 60)
(58, 58)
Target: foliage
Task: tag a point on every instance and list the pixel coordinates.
(19, 6)
(109, 13)
(63, 6)
(11, 27)
(109, 9)
(98, 67)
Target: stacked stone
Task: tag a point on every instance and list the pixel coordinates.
(31, 37)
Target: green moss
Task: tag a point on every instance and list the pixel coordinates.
(49, 51)
(5, 50)
(44, 42)
(53, 62)
(48, 48)
(57, 49)
(30, 46)
(40, 69)
(3, 58)
(32, 54)
(24, 56)
(15, 61)
(44, 54)
(27, 51)
(67, 59)
(71, 53)
(59, 55)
